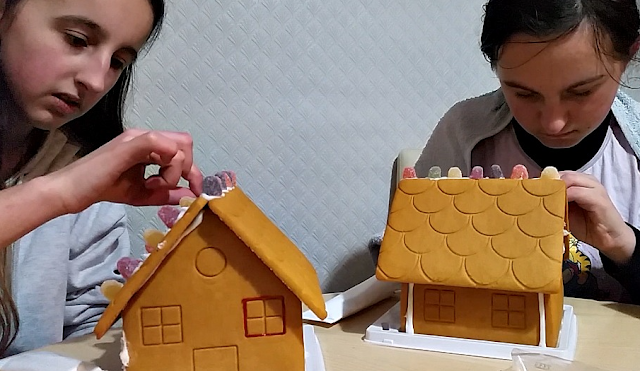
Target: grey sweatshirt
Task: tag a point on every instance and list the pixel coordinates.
(58, 268)
(472, 120)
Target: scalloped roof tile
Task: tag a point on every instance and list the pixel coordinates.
(502, 234)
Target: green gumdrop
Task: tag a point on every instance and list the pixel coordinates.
(435, 172)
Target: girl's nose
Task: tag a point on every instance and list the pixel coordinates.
(553, 118)
(93, 74)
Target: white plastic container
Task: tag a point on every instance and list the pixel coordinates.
(313, 360)
(49, 361)
(385, 332)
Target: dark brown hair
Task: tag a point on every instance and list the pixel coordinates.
(615, 23)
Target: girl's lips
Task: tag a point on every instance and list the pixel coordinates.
(64, 106)
(560, 136)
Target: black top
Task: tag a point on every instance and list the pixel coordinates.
(574, 158)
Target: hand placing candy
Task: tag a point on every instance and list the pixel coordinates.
(594, 218)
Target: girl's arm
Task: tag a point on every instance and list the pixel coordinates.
(594, 219)
(628, 274)
(25, 207)
(115, 172)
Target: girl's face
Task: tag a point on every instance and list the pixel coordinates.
(559, 91)
(60, 57)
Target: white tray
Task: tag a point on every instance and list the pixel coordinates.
(313, 360)
(49, 361)
(392, 337)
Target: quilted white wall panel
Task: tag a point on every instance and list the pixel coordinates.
(309, 102)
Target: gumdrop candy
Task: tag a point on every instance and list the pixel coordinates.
(225, 180)
(519, 172)
(435, 172)
(212, 186)
(232, 176)
(409, 172)
(152, 237)
(496, 172)
(477, 172)
(110, 289)
(454, 172)
(126, 266)
(168, 215)
(186, 201)
(550, 172)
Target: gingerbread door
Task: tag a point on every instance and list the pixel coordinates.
(216, 359)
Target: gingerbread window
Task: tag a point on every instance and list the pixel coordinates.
(439, 305)
(508, 311)
(161, 325)
(264, 316)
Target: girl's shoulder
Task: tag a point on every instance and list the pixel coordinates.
(627, 113)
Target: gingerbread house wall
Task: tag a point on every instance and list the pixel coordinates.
(477, 314)
(197, 305)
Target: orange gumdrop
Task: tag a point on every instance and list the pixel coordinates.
(519, 172)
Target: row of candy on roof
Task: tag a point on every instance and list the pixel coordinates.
(477, 172)
(214, 186)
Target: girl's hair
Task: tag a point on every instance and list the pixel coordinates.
(615, 24)
(99, 125)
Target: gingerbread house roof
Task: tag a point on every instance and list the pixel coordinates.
(502, 234)
(255, 229)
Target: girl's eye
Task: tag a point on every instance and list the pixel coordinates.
(524, 95)
(77, 40)
(585, 93)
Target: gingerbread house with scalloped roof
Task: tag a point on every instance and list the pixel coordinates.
(223, 291)
(478, 258)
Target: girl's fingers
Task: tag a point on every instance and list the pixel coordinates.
(173, 172)
(194, 177)
(572, 178)
(578, 194)
(164, 196)
(174, 195)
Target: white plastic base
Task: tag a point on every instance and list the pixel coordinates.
(489, 349)
(313, 360)
(49, 361)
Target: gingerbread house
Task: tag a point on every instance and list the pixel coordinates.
(223, 291)
(478, 258)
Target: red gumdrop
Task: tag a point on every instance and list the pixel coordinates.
(477, 172)
(225, 180)
(409, 172)
(519, 172)
(168, 215)
(126, 266)
(232, 176)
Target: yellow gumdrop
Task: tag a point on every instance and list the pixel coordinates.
(152, 237)
(110, 289)
(550, 172)
(186, 201)
(454, 172)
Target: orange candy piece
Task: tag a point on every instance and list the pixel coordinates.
(519, 172)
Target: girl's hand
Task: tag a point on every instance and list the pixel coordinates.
(594, 219)
(116, 172)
